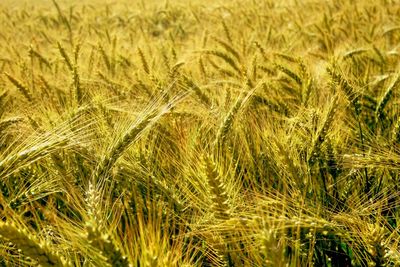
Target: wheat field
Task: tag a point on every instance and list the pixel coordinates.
(200, 133)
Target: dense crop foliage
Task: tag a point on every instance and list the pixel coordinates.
(200, 133)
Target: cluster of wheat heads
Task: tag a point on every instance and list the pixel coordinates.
(216, 133)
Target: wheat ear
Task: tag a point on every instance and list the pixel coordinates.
(30, 246)
(131, 135)
(65, 56)
(386, 97)
(229, 119)
(4, 124)
(22, 88)
(77, 84)
(106, 245)
(218, 190)
(143, 60)
(225, 57)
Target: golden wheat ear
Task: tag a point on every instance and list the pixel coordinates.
(147, 119)
(4, 124)
(218, 192)
(386, 97)
(21, 87)
(38, 251)
(106, 245)
(38, 147)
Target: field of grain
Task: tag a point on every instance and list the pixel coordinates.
(200, 133)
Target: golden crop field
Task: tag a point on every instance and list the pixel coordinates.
(200, 133)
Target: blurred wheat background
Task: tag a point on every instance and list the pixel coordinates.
(199, 133)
